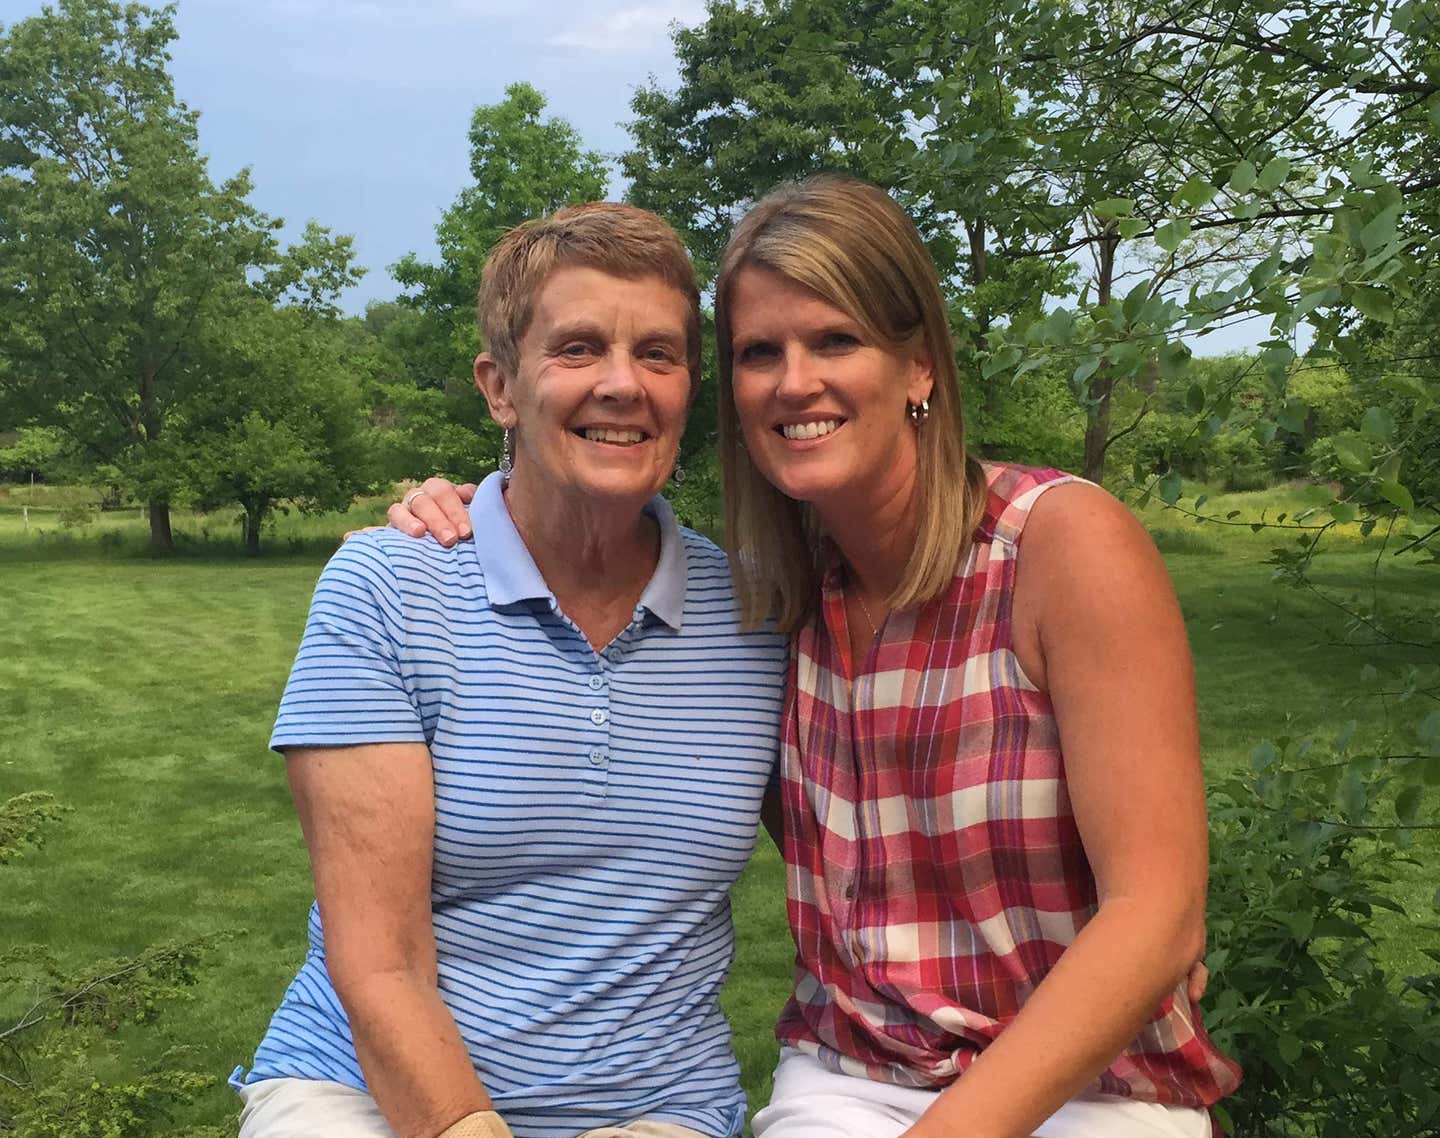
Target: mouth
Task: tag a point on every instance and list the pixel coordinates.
(804, 432)
(612, 436)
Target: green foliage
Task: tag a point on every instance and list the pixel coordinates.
(1334, 1043)
(62, 1069)
(77, 1105)
(523, 166)
(1031, 419)
(283, 419)
(698, 501)
(23, 819)
(36, 452)
(422, 431)
(120, 257)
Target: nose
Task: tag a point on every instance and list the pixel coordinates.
(800, 377)
(619, 378)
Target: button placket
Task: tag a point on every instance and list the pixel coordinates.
(597, 755)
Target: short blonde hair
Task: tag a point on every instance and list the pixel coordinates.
(847, 241)
(622, 240)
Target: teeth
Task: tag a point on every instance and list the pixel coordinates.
(809, 430)
(605, 435)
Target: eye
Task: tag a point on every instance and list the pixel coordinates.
(757, 353)
(660, 354)
(577, 349)
(839, 341)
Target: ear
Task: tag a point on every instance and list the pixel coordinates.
(922, 378)
(495, 386)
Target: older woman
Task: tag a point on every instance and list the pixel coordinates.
(528, 768)
(994, 817)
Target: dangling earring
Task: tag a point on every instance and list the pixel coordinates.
(507, 455)
(919, 412)
(678, 474)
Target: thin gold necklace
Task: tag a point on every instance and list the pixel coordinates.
(870, 620)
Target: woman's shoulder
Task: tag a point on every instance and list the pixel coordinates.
(392, 561)
(1014, 490)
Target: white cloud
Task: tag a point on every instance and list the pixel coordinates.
(633, 28)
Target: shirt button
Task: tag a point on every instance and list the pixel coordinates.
(598, 756)
(597, 682)
(598, 716)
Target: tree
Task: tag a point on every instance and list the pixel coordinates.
(116, 248)
(424, 419)
(283, 419)
(768, 92)
(523, 166)
(1180, 148)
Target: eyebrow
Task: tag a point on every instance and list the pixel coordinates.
(582, 330)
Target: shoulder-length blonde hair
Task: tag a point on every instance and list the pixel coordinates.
(847, 241)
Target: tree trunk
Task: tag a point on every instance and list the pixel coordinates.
(979, 273)
(1102, 383)
(1097, 426)
(161, 539)
(254, 516)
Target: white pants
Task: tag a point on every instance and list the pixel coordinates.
(811, 1101)
(314, 1108)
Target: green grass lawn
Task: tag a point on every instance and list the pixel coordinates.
(140, 693)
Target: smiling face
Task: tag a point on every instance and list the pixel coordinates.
(601, 392)
(822, 405)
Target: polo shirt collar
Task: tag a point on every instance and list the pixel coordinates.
(511, 574)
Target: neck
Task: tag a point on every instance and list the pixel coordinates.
(598, 550)
(876, 534)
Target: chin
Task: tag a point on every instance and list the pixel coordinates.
(804, 483)
(617, 484)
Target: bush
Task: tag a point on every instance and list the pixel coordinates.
(1032, 420)
(64, 1072)
(76, 515)
(1333, 1045)
(1238, 462)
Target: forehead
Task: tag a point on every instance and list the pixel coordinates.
(577, 297)
(765, 302)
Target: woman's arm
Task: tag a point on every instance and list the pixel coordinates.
(1098, 627)
(368, 815)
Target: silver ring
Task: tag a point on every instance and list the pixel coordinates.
(410, 497)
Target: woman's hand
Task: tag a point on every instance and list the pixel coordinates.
(436, 506)
(1197, 981)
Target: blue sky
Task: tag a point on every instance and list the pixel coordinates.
(354, 112)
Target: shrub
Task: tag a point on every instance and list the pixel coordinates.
(1333, 1044)
(63, 1068)
(76, 514)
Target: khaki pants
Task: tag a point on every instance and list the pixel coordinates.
(314, 1108)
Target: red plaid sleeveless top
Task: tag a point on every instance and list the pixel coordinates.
(934, 870)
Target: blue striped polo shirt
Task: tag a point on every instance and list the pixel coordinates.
(592, 810)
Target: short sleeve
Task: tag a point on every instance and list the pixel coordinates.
(347, 685)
